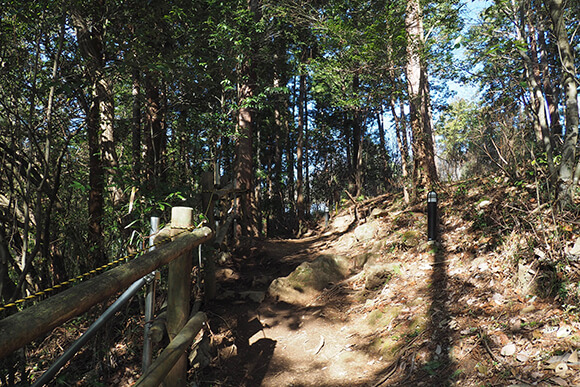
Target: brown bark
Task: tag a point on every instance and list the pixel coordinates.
(245, 166)
(136, 127)
(568, 177)
(56, 260)
(155, 134)
(244, 145)
(277, 194)
(424, 171)
(108, 144)
(96, 188)
(532, 66)
(91, 45)
(299, 151)
(357, 148)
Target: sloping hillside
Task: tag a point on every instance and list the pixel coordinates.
(368, 301)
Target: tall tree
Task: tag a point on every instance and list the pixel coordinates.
(300, 149)
(567, 175)
(90, 39)
(424, 171)
(244, 141)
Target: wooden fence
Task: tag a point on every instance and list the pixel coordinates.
(23, 327)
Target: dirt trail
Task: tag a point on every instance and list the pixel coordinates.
(485, 306)
(277, 344)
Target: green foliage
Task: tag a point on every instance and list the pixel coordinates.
(458, 130)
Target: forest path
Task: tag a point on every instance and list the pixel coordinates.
(278, 344)
(488, 305)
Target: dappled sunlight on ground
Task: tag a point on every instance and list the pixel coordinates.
(462, 312)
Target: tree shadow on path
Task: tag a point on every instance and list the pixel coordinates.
(437, 368)
(440, 364)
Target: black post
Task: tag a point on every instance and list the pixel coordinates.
(432, 215)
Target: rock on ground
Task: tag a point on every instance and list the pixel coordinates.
(304, 283)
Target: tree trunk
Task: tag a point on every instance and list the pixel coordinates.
(245, 164)
(299, 152)
(568, 179)
(384, 154)
(551, 92)
(357, 148)
(532, 66)
(244, 167)
(401, 141)
(305, 145)
(96, 187)
(90, 41)
(357, 153)
(136, 126)
(109, 154)
(424, 171)
(281, 127)
(155, 135)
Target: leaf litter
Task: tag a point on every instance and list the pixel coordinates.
(493, 303)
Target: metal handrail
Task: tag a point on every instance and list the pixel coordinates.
(78, 344)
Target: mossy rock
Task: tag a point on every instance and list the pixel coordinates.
(383, 317)
(363, 260)
(387, 347)
(410, 238)
(305, 283)
(379, 274)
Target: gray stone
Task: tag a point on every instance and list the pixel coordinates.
(305, 283)
(342, 223)
(366, 231)
(379, 274)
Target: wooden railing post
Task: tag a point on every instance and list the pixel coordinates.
(21, 328)
(149, 302)
(178, 298)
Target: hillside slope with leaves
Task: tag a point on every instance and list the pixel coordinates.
(493, 302)
(366, 300)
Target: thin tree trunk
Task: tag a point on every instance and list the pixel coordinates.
(357, 144)
(109, 154)
(136, 125)
(536, 94)
(568, 178)
(281, 122)
(552, 94)
(90, 41)
(155, 135)
(56, 260)
(291, 164)
(307, 199)
(281, 125)
(384, 152)
(299, 152)
(96, 187)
